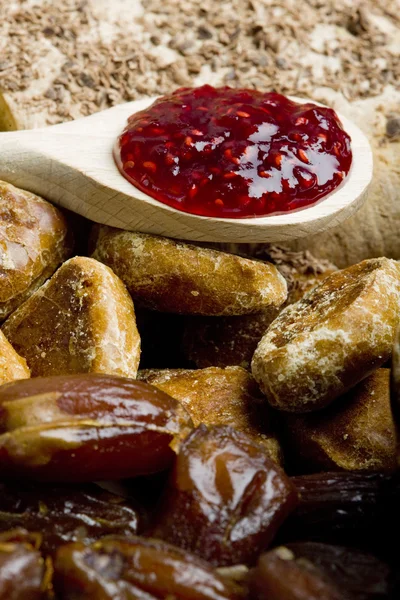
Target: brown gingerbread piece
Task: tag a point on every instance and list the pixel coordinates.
(171, 276)
(216, 396)
(12, 366)
(355, 433)
(81, 321)
(34, 240)
(326, 343)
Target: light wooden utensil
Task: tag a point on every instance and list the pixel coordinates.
(72, 165)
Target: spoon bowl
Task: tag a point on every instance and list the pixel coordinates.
(72, 166)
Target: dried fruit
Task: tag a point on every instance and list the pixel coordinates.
(225, 499)
(34, 240)
(24, 575)
(311, 571)
(169, 276)
(359, 574)
(346, 508)
(87, 427)
(322, 346)
(211, 342)
(135, 568)
(278, 576)
(355, 433)
(12, 366)
(81, 321)
(65, 513)
(216, 396)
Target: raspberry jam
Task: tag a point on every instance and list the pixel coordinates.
(234, 153)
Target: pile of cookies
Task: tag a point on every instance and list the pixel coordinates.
(236, 411)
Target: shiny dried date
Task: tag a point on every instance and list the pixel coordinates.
(346, 508)
(87, 428)
(360, 575)
(279, 576)
(225, 499)
(313, 571)
(24, 575)
(135, 569)
(65, 513)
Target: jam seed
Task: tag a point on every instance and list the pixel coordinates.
(215, 170)
(188, 140)
(323, 137)
(193, 190)
(196, 132)
(219, 202)
(303, 156)
(278, 160)
(241, 113)
(264, 174)
(150, 166)
(301, 121)
(230, 175)
(169, 159)
(228, 154)
(129, 164)
(336, 148)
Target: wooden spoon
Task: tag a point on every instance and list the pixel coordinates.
(72, 165)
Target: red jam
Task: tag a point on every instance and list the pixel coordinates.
(234, 153)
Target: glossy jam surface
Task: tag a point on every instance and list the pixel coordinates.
(234, 153)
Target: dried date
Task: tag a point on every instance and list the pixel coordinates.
(359, 574)
(65, 513)
(24, 574)
(279, 576)
(225, 499)
(135, 569)
(346, 508)
(308, 570)
(86, 428)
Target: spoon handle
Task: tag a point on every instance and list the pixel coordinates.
(26, 159)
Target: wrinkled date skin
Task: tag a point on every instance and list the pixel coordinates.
(349, 508)
(361, 575)
(313, 571)
(279, 576)
(135, 569)
(65, 513)
(24, 575)
(86, 428)
(225, 498)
